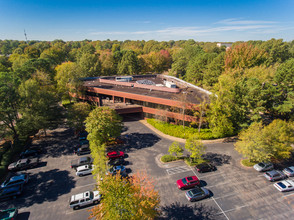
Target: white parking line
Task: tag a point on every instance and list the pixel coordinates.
(238, 207)
(288, 195)
(175, 170)
(91, 184)
(209, 175)
(222, 211)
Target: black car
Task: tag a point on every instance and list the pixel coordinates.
(11, 192)
(29, 153)
(84, 149)
(205, 167)
(117, 161)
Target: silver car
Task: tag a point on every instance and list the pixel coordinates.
(289, 171)
(197, 193)
(274, 175)
(261, 167)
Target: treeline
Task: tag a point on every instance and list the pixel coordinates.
(252, 81)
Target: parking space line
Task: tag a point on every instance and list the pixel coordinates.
(288, 195)
(231, 194)
(238, 207)
(85, 185)
(209, 175)
(222, 211)
(175, 170)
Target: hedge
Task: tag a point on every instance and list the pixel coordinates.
(179, 131)
(168, 158)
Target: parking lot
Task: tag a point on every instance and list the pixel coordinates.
(236, 192)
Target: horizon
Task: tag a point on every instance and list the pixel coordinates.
(202, 21)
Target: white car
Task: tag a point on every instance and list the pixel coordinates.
(84, 170)
(284, 186)
(289, 171)
(261, 167)
(84, 199)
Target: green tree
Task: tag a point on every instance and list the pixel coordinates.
(9, 104)
(132, 199)
(89, 65)
(265, 143)
(77, 114)
(195, 147)
(129, 64)
(176, 148)
(39, 108)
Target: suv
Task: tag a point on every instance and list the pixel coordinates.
(11, 192)
(188, 182)
(261, 167)
(81, 161)
(29, 153)
(275, 175)
(18, 179)
(83, 199)
(84, 149)
(205, 167)
(84, 170)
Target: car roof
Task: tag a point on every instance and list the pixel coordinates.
(23, 160)
(83, 167)
(288, 182)
(191, 178)
(14, 178)
(273, 172)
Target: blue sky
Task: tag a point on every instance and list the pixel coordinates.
(206, 20)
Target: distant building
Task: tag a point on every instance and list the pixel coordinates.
(227, 45)
(146, 96)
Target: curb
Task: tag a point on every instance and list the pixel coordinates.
(180, 140)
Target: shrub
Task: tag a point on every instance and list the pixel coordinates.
(191, 162)
(179, 131)
(168, 158)
(247, 163)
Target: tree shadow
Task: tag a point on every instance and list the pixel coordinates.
(23, 216)
(58, 143)
(217, 159)
(136, 141)
(182, 211)
(44, 187)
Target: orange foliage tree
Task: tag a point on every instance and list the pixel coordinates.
(127, 198)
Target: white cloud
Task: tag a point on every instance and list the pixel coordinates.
(234, 21)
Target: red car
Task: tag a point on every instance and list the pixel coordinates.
(115, 154)
(188, 182)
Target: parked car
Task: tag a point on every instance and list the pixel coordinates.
(285, 185)
(84, 170)
(18, 179)
(83, 142)
(289, 171)
(84, 199)
(116, 161)
(83, 134)
(197, 193)
(24, 164)
(274, 175)
(8, 214)
(188, 182)
(84, 149)
(205, 167)
(115, 169)
(81, 161)
(115, 154)
(11, 192)
(29, 153)
(261, 167)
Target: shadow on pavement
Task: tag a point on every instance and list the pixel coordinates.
(182, 211)
(44, 187)
(217, 159)
(58, 143)
(135, 141)
(23, 216)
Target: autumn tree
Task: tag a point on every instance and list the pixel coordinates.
(176, 148)
(133, 198)
(195, 147)
(264, 143)
(244, 55)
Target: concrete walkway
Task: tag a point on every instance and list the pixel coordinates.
(181, 140)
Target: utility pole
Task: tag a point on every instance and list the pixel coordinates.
(25, 34)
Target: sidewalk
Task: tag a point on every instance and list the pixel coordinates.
(180, 140)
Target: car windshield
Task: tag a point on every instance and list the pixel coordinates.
(5, 182)
(289, 169)
(196, 191)
(261, 164)
(282, 185)
(91, 195)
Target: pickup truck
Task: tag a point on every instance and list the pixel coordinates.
(24, 164)
(8, 213)
(83, 199)
(81, 161)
